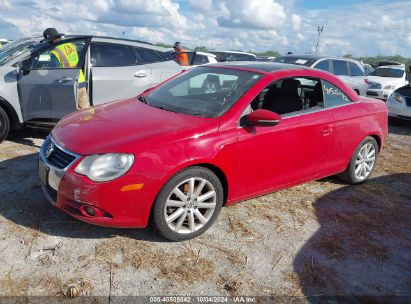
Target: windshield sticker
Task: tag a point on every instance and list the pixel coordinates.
(301, 61)
(335, 92)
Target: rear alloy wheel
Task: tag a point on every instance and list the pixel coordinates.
(362, 162)
(188, 204)
(4, 125)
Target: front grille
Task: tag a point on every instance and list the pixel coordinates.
(372, 93)
(60, 159)
(56, 156)
(52, 193)
(408, 101)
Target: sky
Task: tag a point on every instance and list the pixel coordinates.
(361, 28)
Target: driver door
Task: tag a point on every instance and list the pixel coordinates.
(47, 91)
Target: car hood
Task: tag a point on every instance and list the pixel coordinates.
(128, 126)
(386, 80)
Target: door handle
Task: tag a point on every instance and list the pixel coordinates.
(65, 78)
(140, 75)
(326, 131)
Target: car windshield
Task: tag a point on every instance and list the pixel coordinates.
(13, 49)
(388, 72)
(295, 60)
(203, 91)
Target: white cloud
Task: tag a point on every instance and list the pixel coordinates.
(295, 22)
(202, 5)
(365, 28)
(256, 14)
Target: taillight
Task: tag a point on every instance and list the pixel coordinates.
(366, 80)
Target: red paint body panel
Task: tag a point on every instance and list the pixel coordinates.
(254, 160)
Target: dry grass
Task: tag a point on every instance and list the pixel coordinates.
(185, 267)
(239, 226)
(234, 256)
(188, 268)
(77, 287)
(317, 277)
(11, 286)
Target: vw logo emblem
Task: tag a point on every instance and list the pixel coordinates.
(49, 150)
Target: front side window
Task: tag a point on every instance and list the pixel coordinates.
(356, 70)
(112, 55)
(291, 96)
(340, 67)
(64, 55)
(203, 91)
(333, 96)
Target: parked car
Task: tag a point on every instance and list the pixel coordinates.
(195, 58)
(228, 56)
(348, 70)
(3, 42)
(32, 92)
(399, 103)
(387, 62)
(368, 69)
(384, 80)
(177, 153)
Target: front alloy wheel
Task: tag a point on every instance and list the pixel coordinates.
(188, 204)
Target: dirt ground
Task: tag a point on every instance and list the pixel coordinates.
(320, 238)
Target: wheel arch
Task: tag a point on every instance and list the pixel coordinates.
(219, 173)
(377, 139)
(11, 113)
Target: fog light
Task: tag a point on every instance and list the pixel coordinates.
(90, 211)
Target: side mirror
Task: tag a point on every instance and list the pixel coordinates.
(263, 118)
(25, 66)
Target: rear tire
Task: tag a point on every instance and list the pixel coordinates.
(362, 162)
(4, 124)
(188, 204)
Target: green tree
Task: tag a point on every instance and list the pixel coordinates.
(200, 49)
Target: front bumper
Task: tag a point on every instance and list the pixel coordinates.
(73, 193)
(379, 93)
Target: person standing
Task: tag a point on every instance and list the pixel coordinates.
(181, 55)
(65, 55)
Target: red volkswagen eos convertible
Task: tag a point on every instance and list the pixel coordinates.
(212, 136)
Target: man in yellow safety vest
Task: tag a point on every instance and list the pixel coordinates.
(65, 56)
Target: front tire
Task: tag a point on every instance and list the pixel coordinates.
(4, 125)
(362, 162)
(188, 204)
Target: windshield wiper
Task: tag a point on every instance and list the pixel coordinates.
(162, 108)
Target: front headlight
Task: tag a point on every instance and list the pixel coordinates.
(374, 85)
(397, 97)
(390, 87)
(105, 167)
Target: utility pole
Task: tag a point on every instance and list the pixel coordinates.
(319, 30)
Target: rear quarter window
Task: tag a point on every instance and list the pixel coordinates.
(149, 55)
(333, 96)
(356, 70)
